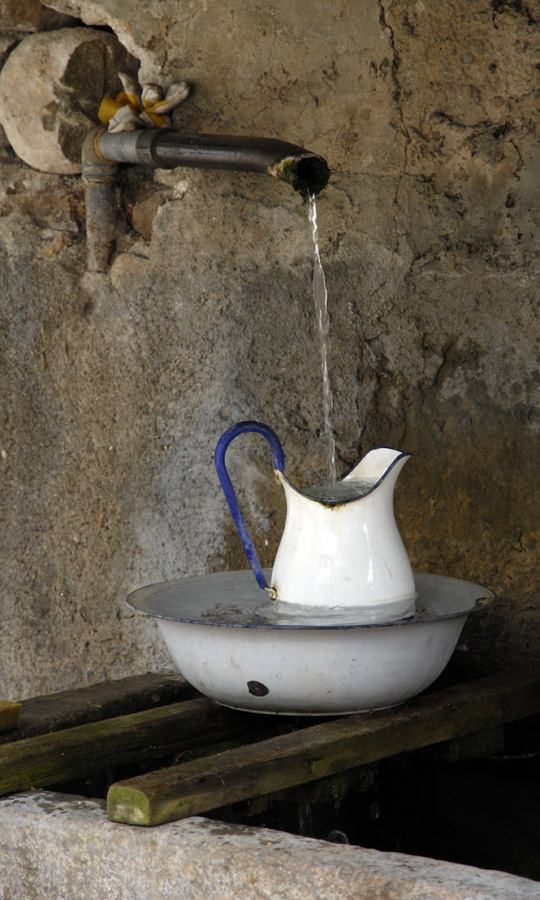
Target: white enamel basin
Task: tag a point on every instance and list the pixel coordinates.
(234, 644)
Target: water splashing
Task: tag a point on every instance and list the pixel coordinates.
(320, 296)
(305, 820)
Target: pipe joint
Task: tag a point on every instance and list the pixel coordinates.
(164, 148)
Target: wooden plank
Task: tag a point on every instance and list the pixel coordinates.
(316, 752)
(10, 714)
(145, 737)
(67, 709)
(476, 745)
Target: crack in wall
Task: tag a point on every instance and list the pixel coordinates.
(403, 129)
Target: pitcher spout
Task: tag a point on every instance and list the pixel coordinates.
(381, 464)
(377, 471)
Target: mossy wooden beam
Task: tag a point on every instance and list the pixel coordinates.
(145, 737)
(316, 752)
(67, 709)
(10, 713)
(477, 745)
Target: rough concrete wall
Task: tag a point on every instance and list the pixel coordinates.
(116, 388)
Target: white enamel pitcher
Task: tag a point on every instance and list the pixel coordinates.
(340, 545)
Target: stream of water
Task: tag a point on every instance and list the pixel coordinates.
(320, 297)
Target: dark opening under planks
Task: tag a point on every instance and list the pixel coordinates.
(281, 762)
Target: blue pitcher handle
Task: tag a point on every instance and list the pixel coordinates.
(228, 490)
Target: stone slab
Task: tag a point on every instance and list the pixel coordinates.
(55, 845)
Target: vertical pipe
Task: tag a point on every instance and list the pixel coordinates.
(99, 180)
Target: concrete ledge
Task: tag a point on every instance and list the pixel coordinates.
(55, 845)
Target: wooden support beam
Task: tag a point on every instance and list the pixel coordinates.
(476, 745)
(10, 714)
(145, 737)
(67, 709)
(316, 752)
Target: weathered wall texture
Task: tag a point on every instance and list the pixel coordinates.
(115, 388)
(54, 845)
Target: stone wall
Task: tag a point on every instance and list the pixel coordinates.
(116, 387)
(63, 846)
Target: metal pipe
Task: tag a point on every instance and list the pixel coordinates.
(164, 148)
(99, 179)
